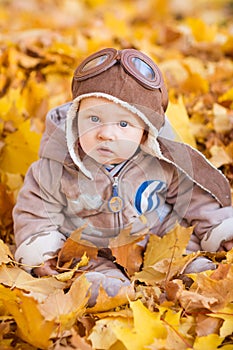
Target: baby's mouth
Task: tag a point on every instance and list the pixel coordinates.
(104, 150)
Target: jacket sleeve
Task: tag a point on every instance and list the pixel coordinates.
(38, 214)
(212, 223)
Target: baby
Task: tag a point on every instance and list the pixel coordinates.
(107, 162)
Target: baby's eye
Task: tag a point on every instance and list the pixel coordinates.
(123, 124)
(95, 119)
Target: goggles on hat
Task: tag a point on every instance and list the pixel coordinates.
(135, 63)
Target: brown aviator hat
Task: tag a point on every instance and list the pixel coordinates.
(133, 80)
(129, 75)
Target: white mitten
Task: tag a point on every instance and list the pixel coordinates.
(200, 264)
(213, 239)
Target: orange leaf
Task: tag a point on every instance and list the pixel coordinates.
(127, 251)
(75, 248)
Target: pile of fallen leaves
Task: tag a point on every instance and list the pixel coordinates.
(164, 310)
(41, 43)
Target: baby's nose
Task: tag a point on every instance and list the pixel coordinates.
(106, 132)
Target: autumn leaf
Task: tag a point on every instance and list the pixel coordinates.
(207, 325)
(67, 275)
(192, 43)
(31, 325)
(64, 308)
(103, 336)
(179, 119)
(138, 336)
(105, 302)
(163, 256)
(5, 254)
(127, 251)
(226, 315)
(14, 277)
(201, 31)
(213, 341)
(20, 150)
(74, 248)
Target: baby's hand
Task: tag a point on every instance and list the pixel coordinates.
(47, 268)
(226, 246)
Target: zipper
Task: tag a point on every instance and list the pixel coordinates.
(115, 186)
(115, 205)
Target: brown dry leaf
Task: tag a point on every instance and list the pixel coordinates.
(75, 247)
(190, 300)
(207, 325)
(127, 251)
(212, 290)
(225, 316)
(218, 285)
(78, 342)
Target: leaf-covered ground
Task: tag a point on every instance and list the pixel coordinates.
(41, 43)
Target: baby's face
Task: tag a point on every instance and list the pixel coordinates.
(108, 133)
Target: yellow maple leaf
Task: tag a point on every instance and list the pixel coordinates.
(227, 96)
(142, 334)
(5, 254)
(163, 256)
(31, 325)
(12, 107)
(179, 119)
(211, 342)
(102, 335)
(20, 150)
(202, 31)
(67, 275)
(195, 84)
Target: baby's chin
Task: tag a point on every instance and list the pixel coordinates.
(107, 161)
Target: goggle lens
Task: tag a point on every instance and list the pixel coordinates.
(95, 62)
(143, 68)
